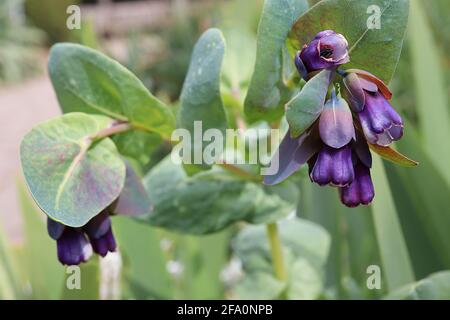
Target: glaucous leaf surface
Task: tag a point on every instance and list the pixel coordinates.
(267, 92)
(373, 49)
(434, 287)
(308, 104)
(211, 200)
(200, 97)
(305, 251)
(71, 178)
(86, 80)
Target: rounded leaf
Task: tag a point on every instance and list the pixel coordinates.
(70, 178)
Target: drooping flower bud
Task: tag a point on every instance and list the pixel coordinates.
(333, 166)
(72, 246)
(328, 49)
(381, 124)
(361, 190)
(368, 96)
(100, 234)
(75, 245)
(336, 123)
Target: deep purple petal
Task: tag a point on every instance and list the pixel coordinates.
(333, 166)
(336, 123)
(73, 247)
(98, 225)
(361, 190)
(362, 150)
(104, 244)
(381, 124)
(301, 66)
(291, 154)
(54, 228)
(311, 57)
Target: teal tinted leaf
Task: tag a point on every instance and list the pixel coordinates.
(434, 287)
(308, 104)
(209, 201)
(85, 80)
(267, 92)
(133, 199)
(200, 98)
(305, 251)
(377, 49)
(137, 144)
(71, 177)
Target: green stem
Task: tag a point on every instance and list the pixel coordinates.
(277, 251)
(116, 127)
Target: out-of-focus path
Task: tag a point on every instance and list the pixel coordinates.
(21, 107)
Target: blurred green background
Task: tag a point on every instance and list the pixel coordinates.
(156, 264)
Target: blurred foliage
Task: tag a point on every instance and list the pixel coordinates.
(20, 44)
(50, 16)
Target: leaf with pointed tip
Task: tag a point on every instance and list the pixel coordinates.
(70, 178)
(266, 94)
(377, 49)
(392, 155)
(308, 104)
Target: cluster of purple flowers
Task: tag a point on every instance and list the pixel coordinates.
(336, 146)
(75, 245)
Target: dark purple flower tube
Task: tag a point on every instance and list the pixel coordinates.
(368, 96)
(73, 247)
(381, 124)
(100, 234)
(328, 49)
(333, 166)
(361, 190)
